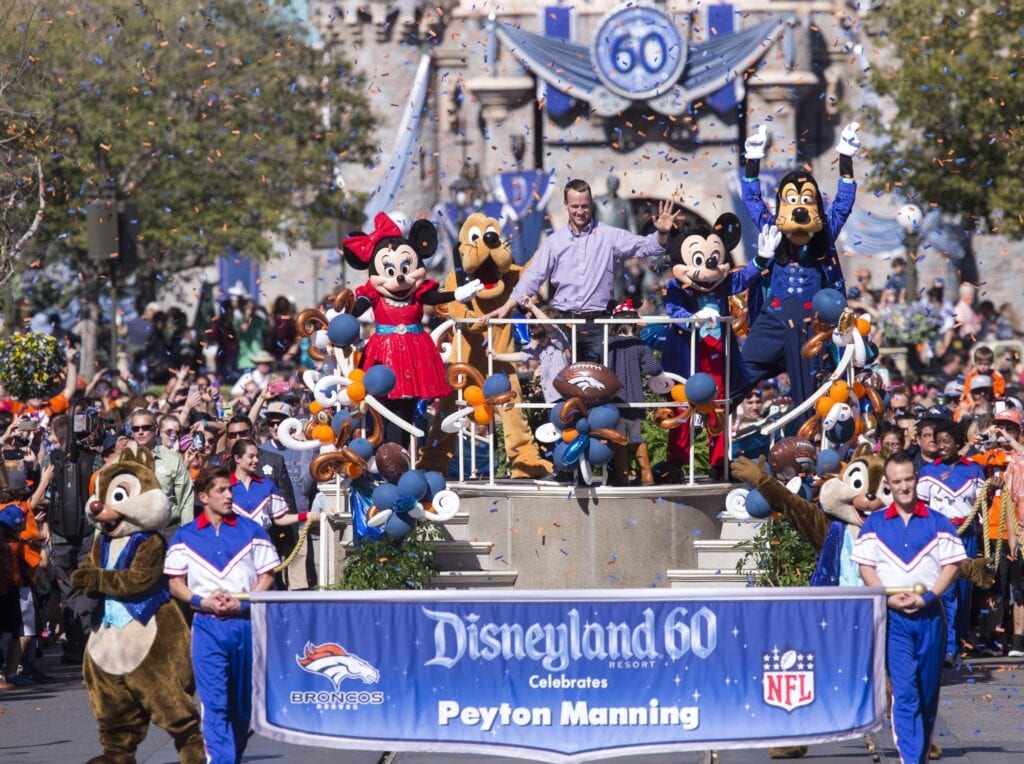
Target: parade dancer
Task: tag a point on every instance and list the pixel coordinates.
(905, 545)
(217, 553)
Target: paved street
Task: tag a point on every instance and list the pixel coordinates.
(981, 722)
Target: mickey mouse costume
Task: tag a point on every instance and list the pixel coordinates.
(805, 262)
(702, 281)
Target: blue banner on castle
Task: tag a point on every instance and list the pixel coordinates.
(568, 676)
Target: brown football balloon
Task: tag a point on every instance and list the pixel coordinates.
(792, 456)
(593, 382)
(392, 461)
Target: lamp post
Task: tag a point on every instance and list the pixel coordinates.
(909, 217)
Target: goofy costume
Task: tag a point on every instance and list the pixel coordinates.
(805, 262)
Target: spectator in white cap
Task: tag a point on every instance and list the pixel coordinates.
(259, 375)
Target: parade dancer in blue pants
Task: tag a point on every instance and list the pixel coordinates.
(901, 546)
(217, 553)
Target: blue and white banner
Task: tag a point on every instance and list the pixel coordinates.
(568, 676)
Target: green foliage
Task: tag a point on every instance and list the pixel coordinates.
(958, 133)
(385, 564)
(657, 439)
(777, 555)
(31, 366)
(209, 115)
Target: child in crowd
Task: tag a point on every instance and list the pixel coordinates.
(897, 280)
(630, 359)
(547, 353)
(982, 375)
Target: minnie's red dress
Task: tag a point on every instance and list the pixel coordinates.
(402, 343)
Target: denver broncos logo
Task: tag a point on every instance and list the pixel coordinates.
(331, 660)
(587, 382)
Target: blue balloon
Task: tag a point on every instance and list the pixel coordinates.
(599, 452)
(436, 483)
(399, 525)
(574, 450)
(829, 304)
(828, 462)
(701, 388)
(496, 384)
(362, 447)
(556, 412)
(604, 417)
(413, 483)
(343, 330)
(385, 495)
(583, 425)
(406, 504)
(558, 457)
(379, 380)
(339, 419)
(757, 505)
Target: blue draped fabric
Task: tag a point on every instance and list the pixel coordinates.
(524, 196)
(557, 26)
(710, 65)
(720, 24)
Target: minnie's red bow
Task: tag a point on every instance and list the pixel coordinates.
(363, 244)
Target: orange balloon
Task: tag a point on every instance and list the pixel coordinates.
(323, 433)
(483, 414)
(824, 405)
(863, 326)
(858, 389)
(678, 393)
(315, 408)
(356, 391)
(840, 391)
(356, 375)
(569, 435)
(474, 395)
(858, 427)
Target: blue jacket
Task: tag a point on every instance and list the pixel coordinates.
(835, 218)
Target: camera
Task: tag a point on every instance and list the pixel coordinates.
(199, 440)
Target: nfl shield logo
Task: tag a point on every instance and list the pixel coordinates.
(788, 679)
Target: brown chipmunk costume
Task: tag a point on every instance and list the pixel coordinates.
(137, 663)
(486, 257)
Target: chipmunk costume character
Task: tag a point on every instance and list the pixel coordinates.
(137, 665)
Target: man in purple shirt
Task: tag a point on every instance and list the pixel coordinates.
(579, 261)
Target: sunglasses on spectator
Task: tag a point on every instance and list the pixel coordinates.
(238, 433)
(143, 427)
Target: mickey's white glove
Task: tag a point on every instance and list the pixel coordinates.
(768, 241)
(468, 291)
(849, 142)
(755, 145)
(707, 315)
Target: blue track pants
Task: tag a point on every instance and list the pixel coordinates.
(222, 660)
(915, 649)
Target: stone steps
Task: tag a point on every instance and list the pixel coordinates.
(716, 559)
(475, 579)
